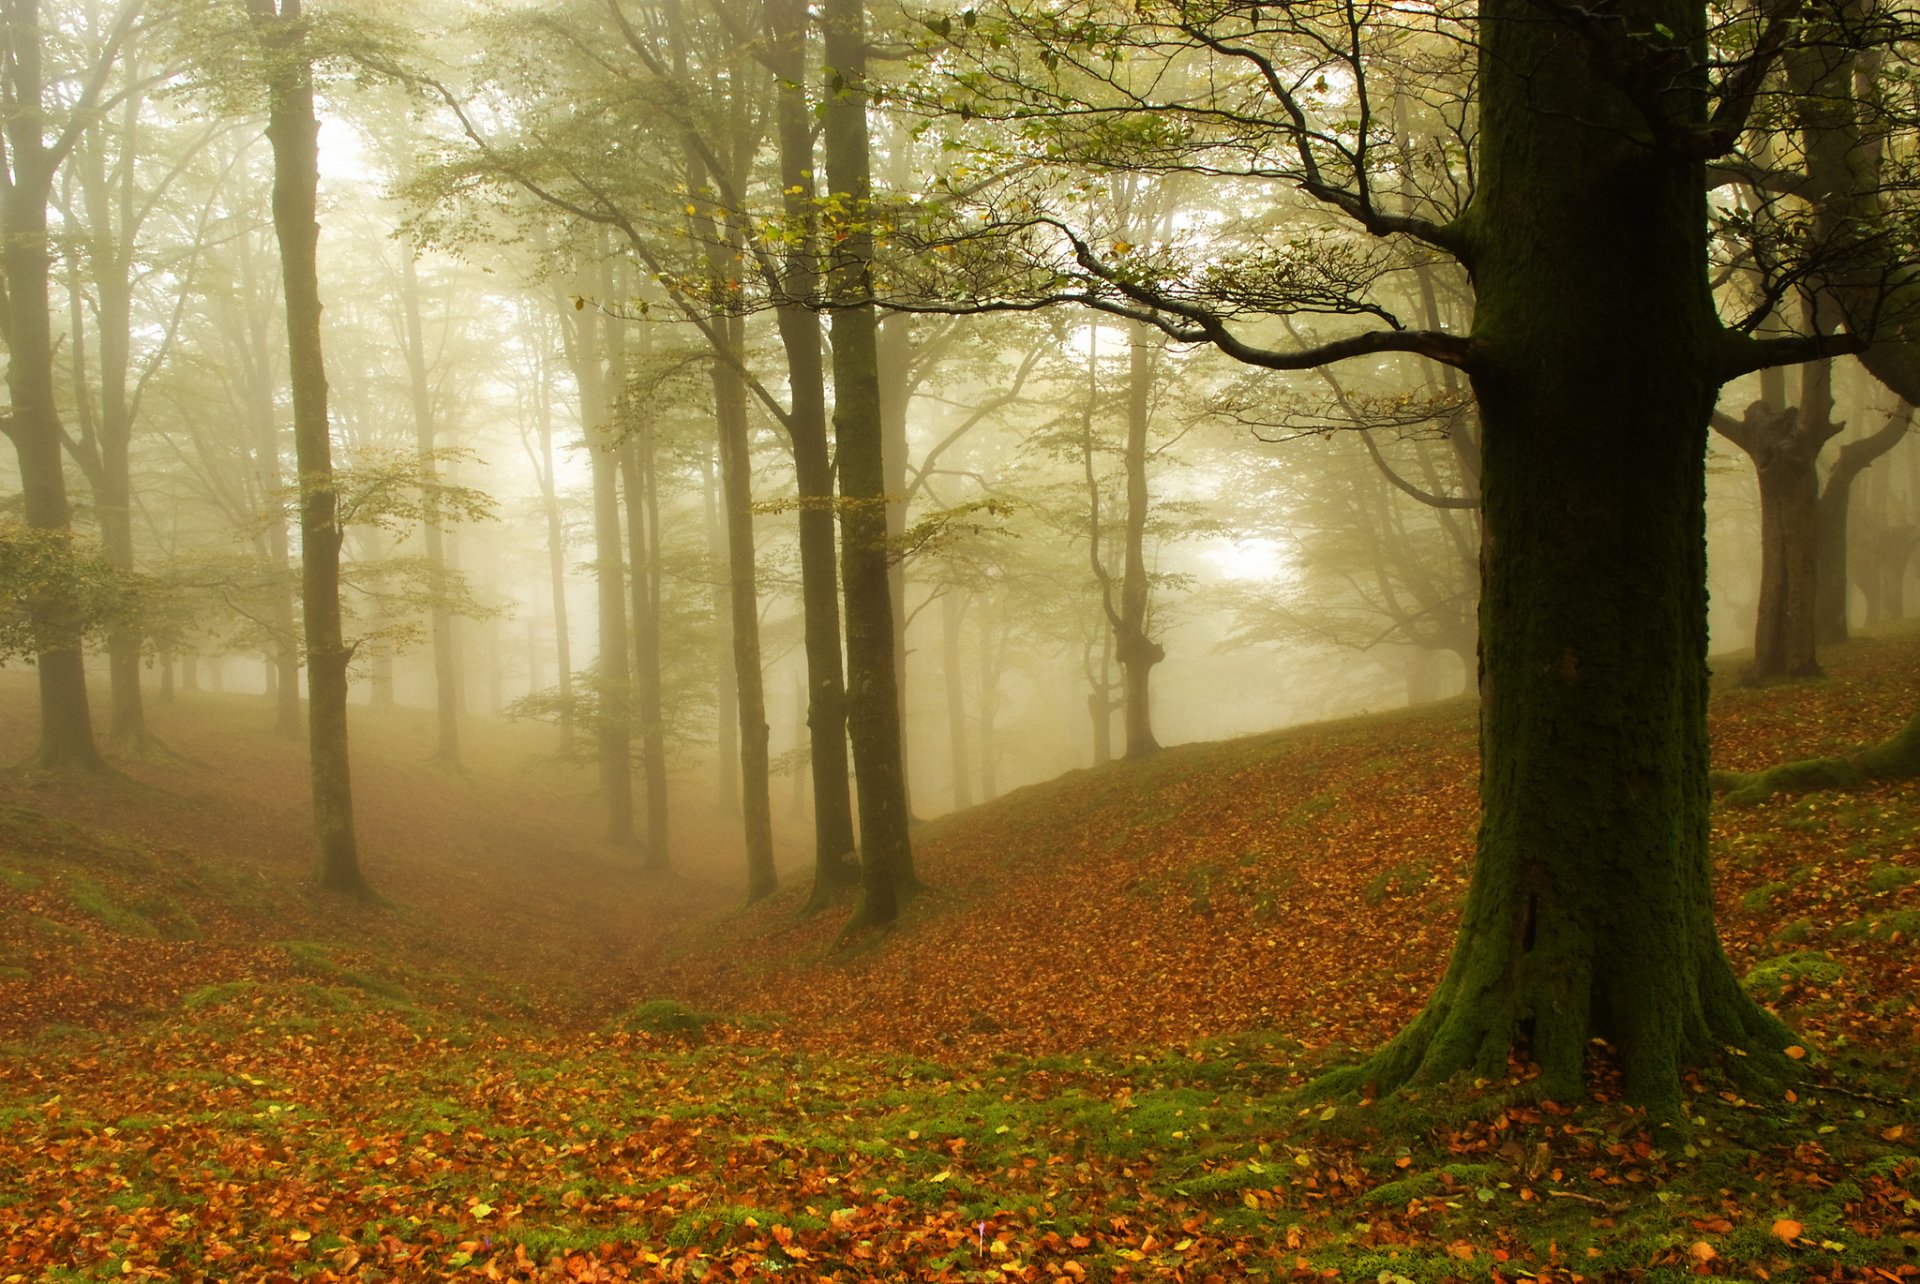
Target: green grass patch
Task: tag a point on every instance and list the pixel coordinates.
(1769, 978)
(666, 1018)
(316, 959)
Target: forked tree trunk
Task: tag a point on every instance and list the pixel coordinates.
(293, 130)
(1590, 912)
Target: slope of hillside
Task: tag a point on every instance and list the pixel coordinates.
(1082, 1057)
(1311, 880)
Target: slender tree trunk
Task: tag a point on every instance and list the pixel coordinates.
(643, 546)
(953, 615)
(587, 349)
(873, 707)
(293, 130)
(892, 354)
(736, 482)
(799, 329)
(1590, 912)
(446, 646)
(556, 575)
(1100, 699)
(727, 694)
(1135, 649)
(989, 704)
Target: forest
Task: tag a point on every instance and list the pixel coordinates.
(1020, 639)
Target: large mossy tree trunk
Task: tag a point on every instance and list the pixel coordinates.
(873, 709)
(293, 130)
(1590, 911)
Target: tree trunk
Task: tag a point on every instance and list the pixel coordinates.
(892, 355)
(643, 547)
(613, 729)
(989, 705)
(873, 709)
(1783, 637)
(736, 483)
(799, 328)
(1590, 912)
(1830, 597)
(953, 614)
(66, 724)
(293, 130)
(446, 661)
(556, 573)
(727, 692)
(1100, 702)
(1136, 651)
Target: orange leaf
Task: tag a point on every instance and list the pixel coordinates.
(1702, 1251)
(1787, 1230)
(1795, 1052)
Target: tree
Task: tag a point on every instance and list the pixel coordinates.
(1578, 204)
(873, 704)
(44, 109)
(293, 130)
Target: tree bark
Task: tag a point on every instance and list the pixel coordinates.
(66, 723)
(643, 547)
(293, 131)
(736, 483)
(953, 615)
(613, 729)
(1590, 911)
(1836, 498)
(446, 655)
(727, 691)
(873, 710)
(1133, 647)
(833, 842)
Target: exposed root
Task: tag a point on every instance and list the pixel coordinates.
(1896, 758)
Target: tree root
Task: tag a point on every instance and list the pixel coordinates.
(1896, 758)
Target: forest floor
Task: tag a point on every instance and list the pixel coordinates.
(1083, 1056)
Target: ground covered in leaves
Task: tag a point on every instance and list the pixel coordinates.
(1084, 1056)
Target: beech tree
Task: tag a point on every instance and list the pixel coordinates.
(50, 88)
(293, 131)
(1574, 191)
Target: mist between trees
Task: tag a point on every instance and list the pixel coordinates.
(863, 411)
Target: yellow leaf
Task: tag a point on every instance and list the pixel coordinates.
(942, 1175)
(482, 1210)
(300, 1236)
(1182, 1246)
